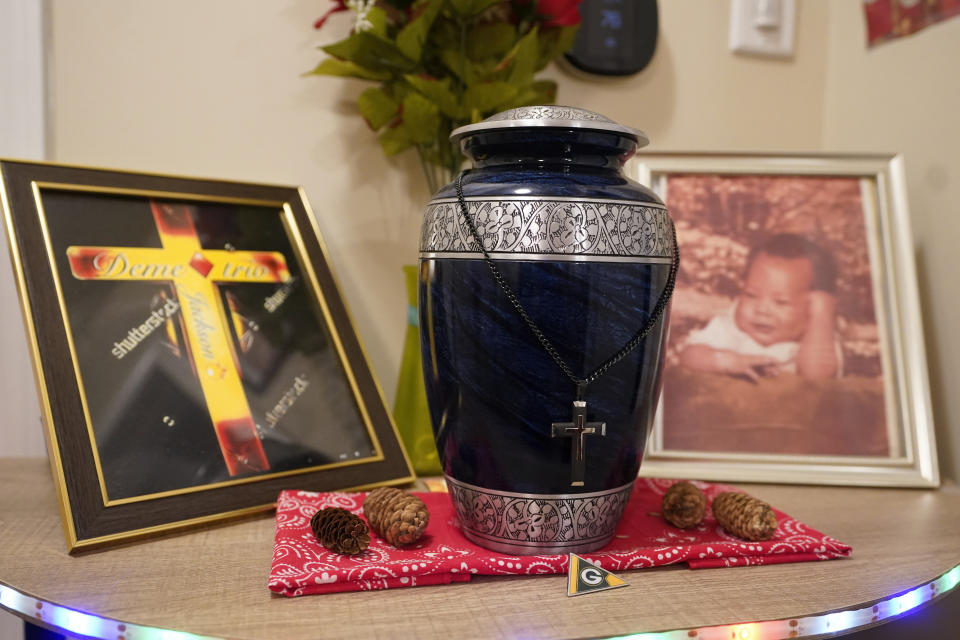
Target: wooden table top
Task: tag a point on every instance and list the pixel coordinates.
(214, 581)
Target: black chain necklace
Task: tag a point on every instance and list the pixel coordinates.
(578, 427)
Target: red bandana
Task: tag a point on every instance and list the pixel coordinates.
(643, 539)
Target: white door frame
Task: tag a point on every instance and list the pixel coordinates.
(22, 136)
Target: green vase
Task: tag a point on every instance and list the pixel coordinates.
(410, 405)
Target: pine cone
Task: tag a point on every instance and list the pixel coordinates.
(744, 516)
(340, 531)
(683, 505)
(397, 516)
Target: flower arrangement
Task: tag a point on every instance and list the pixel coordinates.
(441, 64)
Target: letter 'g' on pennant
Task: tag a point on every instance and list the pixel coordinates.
(586, 577)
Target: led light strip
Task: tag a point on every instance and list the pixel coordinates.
(78, 623)
(824, 623)
(75, 622)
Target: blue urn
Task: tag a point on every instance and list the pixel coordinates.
(544, 280)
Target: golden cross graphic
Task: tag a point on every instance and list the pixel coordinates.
(195, 273)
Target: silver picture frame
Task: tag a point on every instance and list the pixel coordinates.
(911, 458)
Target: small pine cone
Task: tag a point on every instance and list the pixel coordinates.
(683, 505)
(397, 516)
(744, 516)
(340, 531)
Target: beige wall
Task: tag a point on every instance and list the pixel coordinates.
(696, 95)
(22, 132)
(904, 96)
(212, 89)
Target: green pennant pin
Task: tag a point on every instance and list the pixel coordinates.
(586, 577)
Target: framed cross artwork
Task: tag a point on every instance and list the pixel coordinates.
(192, 351)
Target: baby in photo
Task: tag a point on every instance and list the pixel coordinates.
(783, 320)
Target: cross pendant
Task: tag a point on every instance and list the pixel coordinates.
(576, 430)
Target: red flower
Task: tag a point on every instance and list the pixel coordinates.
(559, 13)
(338, 5)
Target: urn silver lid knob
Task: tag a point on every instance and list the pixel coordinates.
(550, 116)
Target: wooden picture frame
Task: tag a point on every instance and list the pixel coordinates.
(192, 350)
(841, 395)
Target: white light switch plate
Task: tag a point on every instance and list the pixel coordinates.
(762, 27)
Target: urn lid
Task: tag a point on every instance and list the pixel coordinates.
(550, 116)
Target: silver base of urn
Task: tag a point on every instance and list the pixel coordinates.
(538, 524)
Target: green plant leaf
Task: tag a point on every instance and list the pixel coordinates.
(344, 68)
(539, 92)
(445, 33)
(554, 42)
(455, 64)
(437, 91)
(398, 90)
(421, 118)
(433, 80)
(486, 97)
(490, 39)
(463, 8)
(471, 8)
(378, 18)
(371, 52)
(393, 140)
(469, 72)
(411, 38)
(377, 107)
(522, 60)
(479, 6)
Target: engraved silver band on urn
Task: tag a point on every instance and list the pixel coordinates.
(536, 228)
(536, 524)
